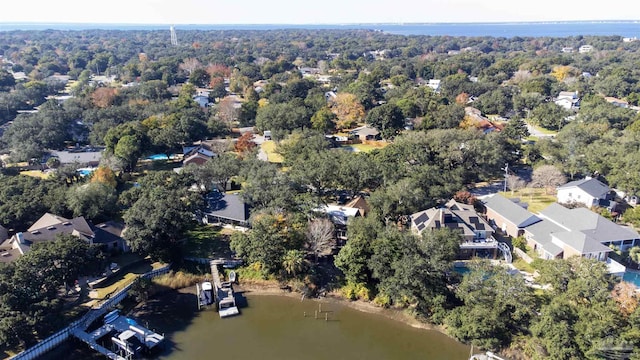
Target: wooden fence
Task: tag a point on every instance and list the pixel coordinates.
(61, 336)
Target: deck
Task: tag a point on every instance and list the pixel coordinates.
(224, 295)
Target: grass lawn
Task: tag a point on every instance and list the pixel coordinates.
(543, 130)
(36, 173)
(206, 241)
(126, 277)
(269, 147)
(523, 266)
(537, 199)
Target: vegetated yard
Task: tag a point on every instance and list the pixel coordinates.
(206, 241)
(125, 277)
(269, 147)
(522, 265)
(537, 199)
(36, 174)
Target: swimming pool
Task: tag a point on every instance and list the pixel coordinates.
(632, 277)
(158, 157)
(85, 171)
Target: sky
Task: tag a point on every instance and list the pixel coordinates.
(312, 12)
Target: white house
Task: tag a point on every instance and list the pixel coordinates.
(568, 100)
(585, 49)
(434, 84)
(587, 191)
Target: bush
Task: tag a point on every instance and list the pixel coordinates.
(140, 289)
(520, 242)
(382, 300)
(356, 291)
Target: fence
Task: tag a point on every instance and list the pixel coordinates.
(61, 336)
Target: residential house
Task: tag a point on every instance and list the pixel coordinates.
(509, 215)
(616, 102)
(198, 154)
(201, 100)
(567, 49)
(339, 216)
(568, 100)
(330, 96)
(434, 84)
(475, 118)
(629, 39)
(309, 71)
(588, 191)
(365, 133)
(108, 235)
(83, 156)
(564, 232)
(477, 233)
(227, 209)
(585, 49)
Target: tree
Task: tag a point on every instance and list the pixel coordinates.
(549, 116)
(320, 237)
(323, 120)
(103, 97)
(190, 65)
(548, 177)
(104, 175)
(95, 201)
(515, 183)
(271, 236)
(387, 118)
(293, 262)
(157, 221)
(347, 109)
(516, 129)
(282, 118)
(245, 144)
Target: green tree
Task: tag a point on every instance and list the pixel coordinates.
(323, 120)
(95, 201)
(388, 118)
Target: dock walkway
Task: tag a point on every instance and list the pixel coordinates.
(224, 296)
(88, 339)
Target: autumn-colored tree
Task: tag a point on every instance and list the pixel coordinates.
(563, 72)
(626, 298)
(462, 98)
(103, 97)
(218, 70)
(245, 143)
(465, 197)
(548, 177)
(348, 110)
(104, 175)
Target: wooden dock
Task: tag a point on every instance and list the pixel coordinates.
(88, 339)
(223, 293)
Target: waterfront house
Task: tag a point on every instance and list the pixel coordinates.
(587, 191)
(226, 209)
(108, 235)
(476, 232)
(509, 215)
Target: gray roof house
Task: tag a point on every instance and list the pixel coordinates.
(49, 226)
(80, 156)
(564, 232)
(510, 215)
(587, 191)
(476, 231)
(226, 209)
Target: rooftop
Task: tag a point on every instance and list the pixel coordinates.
(510, 210)
(591, 186)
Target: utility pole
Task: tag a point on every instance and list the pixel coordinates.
(506, 175)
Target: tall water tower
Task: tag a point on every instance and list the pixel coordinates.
(174, 38)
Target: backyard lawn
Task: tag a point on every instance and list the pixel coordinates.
(125, 277)
(206, 241)
(269, 147)
(537, 199)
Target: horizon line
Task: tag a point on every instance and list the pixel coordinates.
(318, 24)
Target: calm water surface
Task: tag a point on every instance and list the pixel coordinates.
(273, 327)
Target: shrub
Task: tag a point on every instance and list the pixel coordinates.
(177, 280)
(520, 242)
(357, 291)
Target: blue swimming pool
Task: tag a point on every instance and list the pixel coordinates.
(85, 171)
(632, 277)
(158, 157)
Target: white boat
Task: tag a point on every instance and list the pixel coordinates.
(486, 356)
(232, 277)
(206, 294)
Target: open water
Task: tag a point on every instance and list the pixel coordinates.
(518, 29)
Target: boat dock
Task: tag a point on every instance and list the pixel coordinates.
(223, 291)
(128, 337)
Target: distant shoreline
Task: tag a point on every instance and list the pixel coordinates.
(625, 28)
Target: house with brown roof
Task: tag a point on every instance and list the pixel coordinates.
(108, 235)
(197, 154)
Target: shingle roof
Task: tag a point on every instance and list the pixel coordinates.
(453, 216)
(510, 210)
(108, 232)
(228, 206)
(591, 186)
(581, 242)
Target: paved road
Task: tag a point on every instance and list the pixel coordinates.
(537, 133)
